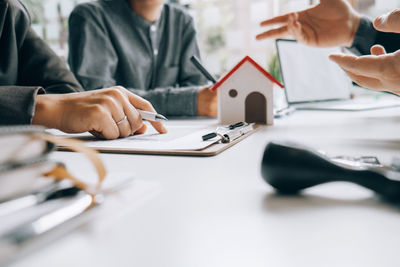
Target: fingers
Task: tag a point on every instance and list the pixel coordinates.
(295, 29)
(123, 124)
(142, 130)
(279, 32)
(357, 72)
(133, 116)
(371, 66)
(114, 116)
(389, 22)
(276, 20)
(364, 81)
(104, 124)
(125, 116)
(378, 50)
(97, 134)
(143, 104)
(274, 33)
(117, 116)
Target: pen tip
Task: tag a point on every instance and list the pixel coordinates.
(161, 117)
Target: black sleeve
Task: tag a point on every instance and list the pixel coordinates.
(367, 36)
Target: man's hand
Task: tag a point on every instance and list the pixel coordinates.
(207, 102)
(380, 71)
(101, 112)
(330, 23)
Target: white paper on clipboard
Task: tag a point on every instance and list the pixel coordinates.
(178, 138)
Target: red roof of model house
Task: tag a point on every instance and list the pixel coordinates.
(246, 59)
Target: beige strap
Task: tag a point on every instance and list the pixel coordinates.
(60, 172)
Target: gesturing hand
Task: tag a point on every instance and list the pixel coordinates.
(101, 112)
(330, 23)
(380, 71)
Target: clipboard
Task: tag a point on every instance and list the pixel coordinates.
(211, 150)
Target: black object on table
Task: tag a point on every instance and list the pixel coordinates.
(290, 168)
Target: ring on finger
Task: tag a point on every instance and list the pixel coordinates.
(122, 120)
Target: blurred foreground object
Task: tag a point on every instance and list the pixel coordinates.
(36, 194)
(290, 168)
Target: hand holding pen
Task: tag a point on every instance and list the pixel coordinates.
(107, 113)
(207, 101)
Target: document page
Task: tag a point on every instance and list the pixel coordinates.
(177, 138)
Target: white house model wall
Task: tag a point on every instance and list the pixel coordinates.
(245, 80)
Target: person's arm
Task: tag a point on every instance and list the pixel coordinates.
(367, 36)
(380, 70)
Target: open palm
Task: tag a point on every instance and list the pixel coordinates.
(330, 23)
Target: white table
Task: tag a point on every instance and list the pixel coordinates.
(218, 211)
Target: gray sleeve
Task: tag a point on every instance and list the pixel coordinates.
(17, 104)
(92, 57)
(181, 101)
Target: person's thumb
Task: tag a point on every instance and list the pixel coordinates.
(378, 50)
(389, 22)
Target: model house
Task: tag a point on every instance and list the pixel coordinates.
(246, 94)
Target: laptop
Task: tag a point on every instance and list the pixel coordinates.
(313, 82)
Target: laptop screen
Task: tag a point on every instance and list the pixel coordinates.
(309, 75)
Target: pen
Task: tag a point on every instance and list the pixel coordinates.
(151, 116)
(202, 69)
